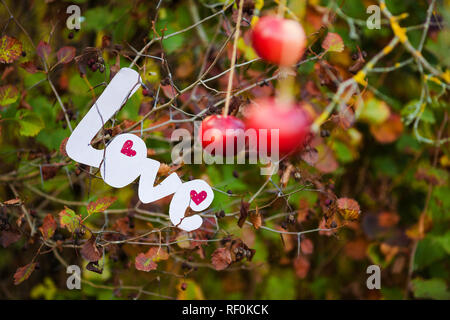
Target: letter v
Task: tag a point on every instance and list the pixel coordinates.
(147, 191)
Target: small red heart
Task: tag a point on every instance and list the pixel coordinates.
(198, 197)
(126, 149)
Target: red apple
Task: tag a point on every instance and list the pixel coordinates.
(218, 129)
(277, 40)
(292, 120)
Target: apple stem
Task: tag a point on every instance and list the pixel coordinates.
(233, 60)
(281, 8)
(285, 87)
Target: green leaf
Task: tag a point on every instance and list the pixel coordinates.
(444, 241)
(30, 123)
(97, 19)
(343, 153)
(431, 289)
(69, 220)
(280, 286)
(8, 94)
(428, 252)
(46, 290)
(375, 111)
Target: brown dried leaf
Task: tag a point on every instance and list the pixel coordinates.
(94, 267)
(89, 251)
(12, 202)
(243, 213)
(255, 218)
(286, 175)
(221, 258)
(8, 237)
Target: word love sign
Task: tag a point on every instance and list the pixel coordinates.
(124, 159)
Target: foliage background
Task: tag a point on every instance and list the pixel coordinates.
(399, 180)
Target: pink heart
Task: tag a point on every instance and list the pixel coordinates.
(126, 149)
(198, 197)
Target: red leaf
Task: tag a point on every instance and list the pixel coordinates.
(301, 266)
(43, 50)
(148, 261)
(221, 258)
(24, 273)
(100, 205)
(307, 246)
(90, 252)
(10, 49)
(66, 54)
(48, 227)
(169, 91)
(29, 66)
(144, 263)
(333, 42)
